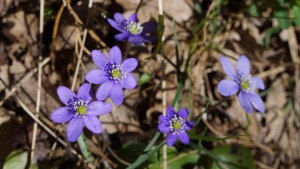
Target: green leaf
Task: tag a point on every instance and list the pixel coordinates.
(34, 166)
(175, 160)
(84, 149)
(233, 157)
(195, 136)
(281, 3)
(198, 7)
(147, 154)
(154, 166)
(16, 160)
(183, 159)
(283, 18)
(160, 33)
(268, 35)
(253, 10)
(145, 78)
(296, 12)
(157, 157)
(131, 150)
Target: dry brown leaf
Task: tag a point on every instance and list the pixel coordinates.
(19, 32)
(4, 6)
(275, 121)
(236, 112)
(66, 38)
(276, 97)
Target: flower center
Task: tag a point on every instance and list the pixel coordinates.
(116, 73)
(177, 125)
(245, 82)
(245, 85)
(80, 107)
(81, 110)
(134, 28)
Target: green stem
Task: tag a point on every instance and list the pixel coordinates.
(152, 142)
(83, 148)
(144, 157)
(178, 93)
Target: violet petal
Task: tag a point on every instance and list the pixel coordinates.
(227, 66)
(85, 92)
(65, 94)
(93, 124)
(122, 36)
(99, 59)
(104, 90)
(119, 18)
(189, 125)
(129, 64)
(256, 101)
(171, 139)
(163, 128)
(170, 112)
(183, 137)
(116, 25)
(99, 108)
(115, 55)
(243, 65)
(148, 38)
(228, 87)
(74, 128)
(129, 82)
(133, 18)
(258, 83)
(183, 113)
(61, 115)
(96, 76)
(116, 94)
(245, 103)
(136, 40)
(163, 119)
(149, 27)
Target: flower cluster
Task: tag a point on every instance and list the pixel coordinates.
(80, 110)
(176, 125)
(114, 75)
(131, 30)
(243, 83)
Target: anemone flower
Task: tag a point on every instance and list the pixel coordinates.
(243, 83)
(80, 110)
(131, 30)
(113, 75)
(175, 125)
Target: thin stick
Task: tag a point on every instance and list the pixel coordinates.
(26, 77)
(79, 60)
(164, 100)
(81, 51)
(39, 85)
(64, 3)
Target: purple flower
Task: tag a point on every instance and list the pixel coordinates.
(176, 125)
(131, 30)
(113, 75)
(79, 110)
(243, 83)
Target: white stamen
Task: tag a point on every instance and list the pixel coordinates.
(134, 28)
